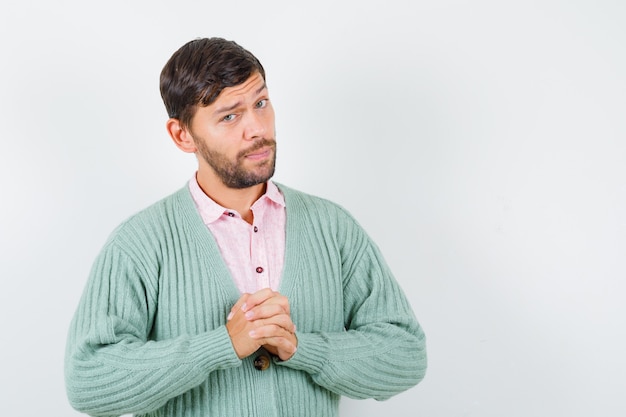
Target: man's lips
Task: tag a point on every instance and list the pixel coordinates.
(260, 153)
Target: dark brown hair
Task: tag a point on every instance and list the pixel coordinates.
(197, 73)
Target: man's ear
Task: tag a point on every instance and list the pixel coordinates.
(181, 136)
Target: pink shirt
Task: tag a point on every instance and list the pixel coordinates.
(254, 253)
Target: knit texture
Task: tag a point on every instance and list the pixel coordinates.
(149, 334)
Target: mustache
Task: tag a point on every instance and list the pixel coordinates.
(258, 145)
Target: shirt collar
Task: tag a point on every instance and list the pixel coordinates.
(210, 211)
(273, 193)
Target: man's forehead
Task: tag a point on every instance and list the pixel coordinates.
(255, 83)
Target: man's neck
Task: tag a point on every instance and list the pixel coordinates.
(239, 199)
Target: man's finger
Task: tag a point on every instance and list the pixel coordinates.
(257, 298)
(237, 306)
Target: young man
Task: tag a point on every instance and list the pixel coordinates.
(237, 296)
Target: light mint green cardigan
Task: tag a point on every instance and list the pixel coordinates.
(149, 334)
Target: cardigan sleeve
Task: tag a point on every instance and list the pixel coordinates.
(382, 350)
(111, 366)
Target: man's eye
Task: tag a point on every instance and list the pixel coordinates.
(229, 117)
(261, 104)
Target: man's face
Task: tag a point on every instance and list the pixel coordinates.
(235, 135)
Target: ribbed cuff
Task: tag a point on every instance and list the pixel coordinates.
(312, 354)
(214, 350)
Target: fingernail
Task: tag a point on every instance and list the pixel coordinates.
(249, 314)
(243, 307)
(230, 316)
(252, 333)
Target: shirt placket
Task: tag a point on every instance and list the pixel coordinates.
(258, 253)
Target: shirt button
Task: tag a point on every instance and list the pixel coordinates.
(261, 363)
(259, 269)
(231, 214)
(256, 229)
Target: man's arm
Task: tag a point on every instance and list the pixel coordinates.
(382, 350)
(112, 367)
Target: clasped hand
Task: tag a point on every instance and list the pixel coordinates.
(262, 319)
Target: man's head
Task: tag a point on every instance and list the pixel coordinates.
(197, 73)
(219, 108)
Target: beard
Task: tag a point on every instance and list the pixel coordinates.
(232, 172)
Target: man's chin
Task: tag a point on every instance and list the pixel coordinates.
(249, 181)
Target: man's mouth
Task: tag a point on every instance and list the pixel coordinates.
(260, 150)
(258, 154)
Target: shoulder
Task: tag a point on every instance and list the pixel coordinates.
(154, 222)
(298, 202)
(319, 212)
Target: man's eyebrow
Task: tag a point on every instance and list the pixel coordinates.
(238, 103)
(263, 87)
(227, 108)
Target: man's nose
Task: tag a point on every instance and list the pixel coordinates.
(255, 126)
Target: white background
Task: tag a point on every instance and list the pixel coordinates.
(480, 143)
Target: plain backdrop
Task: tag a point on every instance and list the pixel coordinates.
(480, 143)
